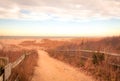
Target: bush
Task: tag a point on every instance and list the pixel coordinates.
(98, 58)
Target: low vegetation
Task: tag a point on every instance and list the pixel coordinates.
(103, 67)
(46, 43)
(24, 71)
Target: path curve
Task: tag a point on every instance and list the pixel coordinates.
(50, 69)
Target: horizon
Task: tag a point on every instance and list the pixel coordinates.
(96, 18)
(12, 37)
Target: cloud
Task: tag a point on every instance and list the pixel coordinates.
(59, 9)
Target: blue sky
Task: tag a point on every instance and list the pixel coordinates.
(68, 18)
(60, 28)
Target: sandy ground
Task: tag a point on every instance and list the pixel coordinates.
(50, 69)
(18, 41)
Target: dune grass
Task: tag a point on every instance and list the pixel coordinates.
(24, 71)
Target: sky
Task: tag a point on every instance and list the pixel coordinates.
(59, 18)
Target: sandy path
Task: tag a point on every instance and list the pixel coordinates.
(50, 69)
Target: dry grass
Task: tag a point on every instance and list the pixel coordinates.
(98, 65)
(46, 43)
(25, 69)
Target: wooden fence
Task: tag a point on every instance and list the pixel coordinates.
(9, 66)
(91, 51)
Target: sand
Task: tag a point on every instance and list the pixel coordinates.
(50, 69)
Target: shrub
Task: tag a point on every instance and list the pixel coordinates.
(98, 58)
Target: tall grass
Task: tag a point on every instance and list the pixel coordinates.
(95, 64)
(25, 69)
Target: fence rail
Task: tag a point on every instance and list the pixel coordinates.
(14, 64)
(9, 66)
(113, 64)
(91, 51)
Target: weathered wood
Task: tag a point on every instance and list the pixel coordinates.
(14, 64)
(7, 71)
(1, 77)
(91, 51)
(8, 67)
